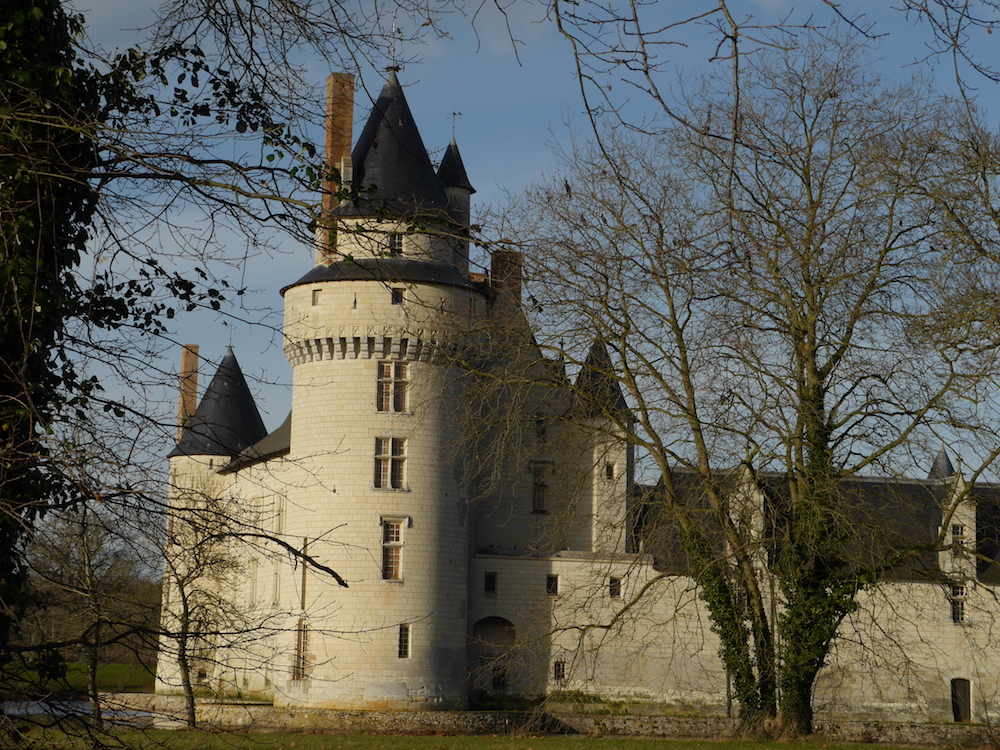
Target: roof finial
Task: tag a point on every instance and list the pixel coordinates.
(393, 36)
(454, 116)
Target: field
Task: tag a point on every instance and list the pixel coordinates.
(114, 678)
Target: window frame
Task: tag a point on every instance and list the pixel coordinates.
(490, 581)
(552, 584)
(404, 644)
(390, 464)
(559, 670)
(614, 587)
(539, 488)
(957, 597)
(393, 540)
(392, 390)
(394, 244)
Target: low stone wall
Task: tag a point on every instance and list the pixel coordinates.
(166, 711)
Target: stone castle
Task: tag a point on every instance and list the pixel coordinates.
(377, 551)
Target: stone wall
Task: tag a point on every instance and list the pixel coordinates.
(166, 711)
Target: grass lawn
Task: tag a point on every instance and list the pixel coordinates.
(115, 678)
(276, 741)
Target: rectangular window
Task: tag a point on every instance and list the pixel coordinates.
(393, 386)
(490, 583)
(552, 585)
(392, 550)
(541, 428)
(957, 603)
(538, 488)
(397, 296)
(404, 642)
(395, 244)
(559, 671)
(315, 297)
(609, 472)
(300, 660)
(615, 588)
(957, 538)
(390, 463)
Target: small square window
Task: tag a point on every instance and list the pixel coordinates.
(490, 583)
(315, 297)
(559, 671)
(404, 642)
(615, 588)
(552, 585)
(397, 296)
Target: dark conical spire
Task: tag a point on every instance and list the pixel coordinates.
(392, 170)
(598, 393)
(452, 172)
(942, 468)
(226, 421)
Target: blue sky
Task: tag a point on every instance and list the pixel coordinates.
(513, 107)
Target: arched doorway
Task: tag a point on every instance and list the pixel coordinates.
(961, 700)
(490, 655)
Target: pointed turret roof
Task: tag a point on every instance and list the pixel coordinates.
(598, 392)
(226, 420)
(942, 468)
(392, 170)
(452, 172)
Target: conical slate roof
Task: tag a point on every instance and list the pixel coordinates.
(598, 393)
(942, 468)
(392, 170)
(452, 172)
(226, 421)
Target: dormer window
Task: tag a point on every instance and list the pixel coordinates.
(395, 244)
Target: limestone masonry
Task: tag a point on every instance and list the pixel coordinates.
(491, 541)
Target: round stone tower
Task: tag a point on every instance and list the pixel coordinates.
(374, 487)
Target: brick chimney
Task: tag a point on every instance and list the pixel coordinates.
(189, 386)
(339, 139)
(505, 273)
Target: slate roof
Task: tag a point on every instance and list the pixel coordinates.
(941, 468)
(274, 444)
(452, 172)
(226, 420)
(392, 269)
(881, 517)
(392, 170)
(598, 392)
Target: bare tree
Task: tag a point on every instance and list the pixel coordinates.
(796, 300)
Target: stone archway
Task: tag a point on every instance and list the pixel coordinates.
(490, 655)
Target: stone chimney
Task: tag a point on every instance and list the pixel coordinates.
(505, 273)
(339, 140)
(189, 386)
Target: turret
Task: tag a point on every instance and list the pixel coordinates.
(458, 191)
(599, 416)
(371, 457)
(226, 421)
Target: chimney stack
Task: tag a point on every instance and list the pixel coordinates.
(505, 273)
(339, 137)
(189, 386)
